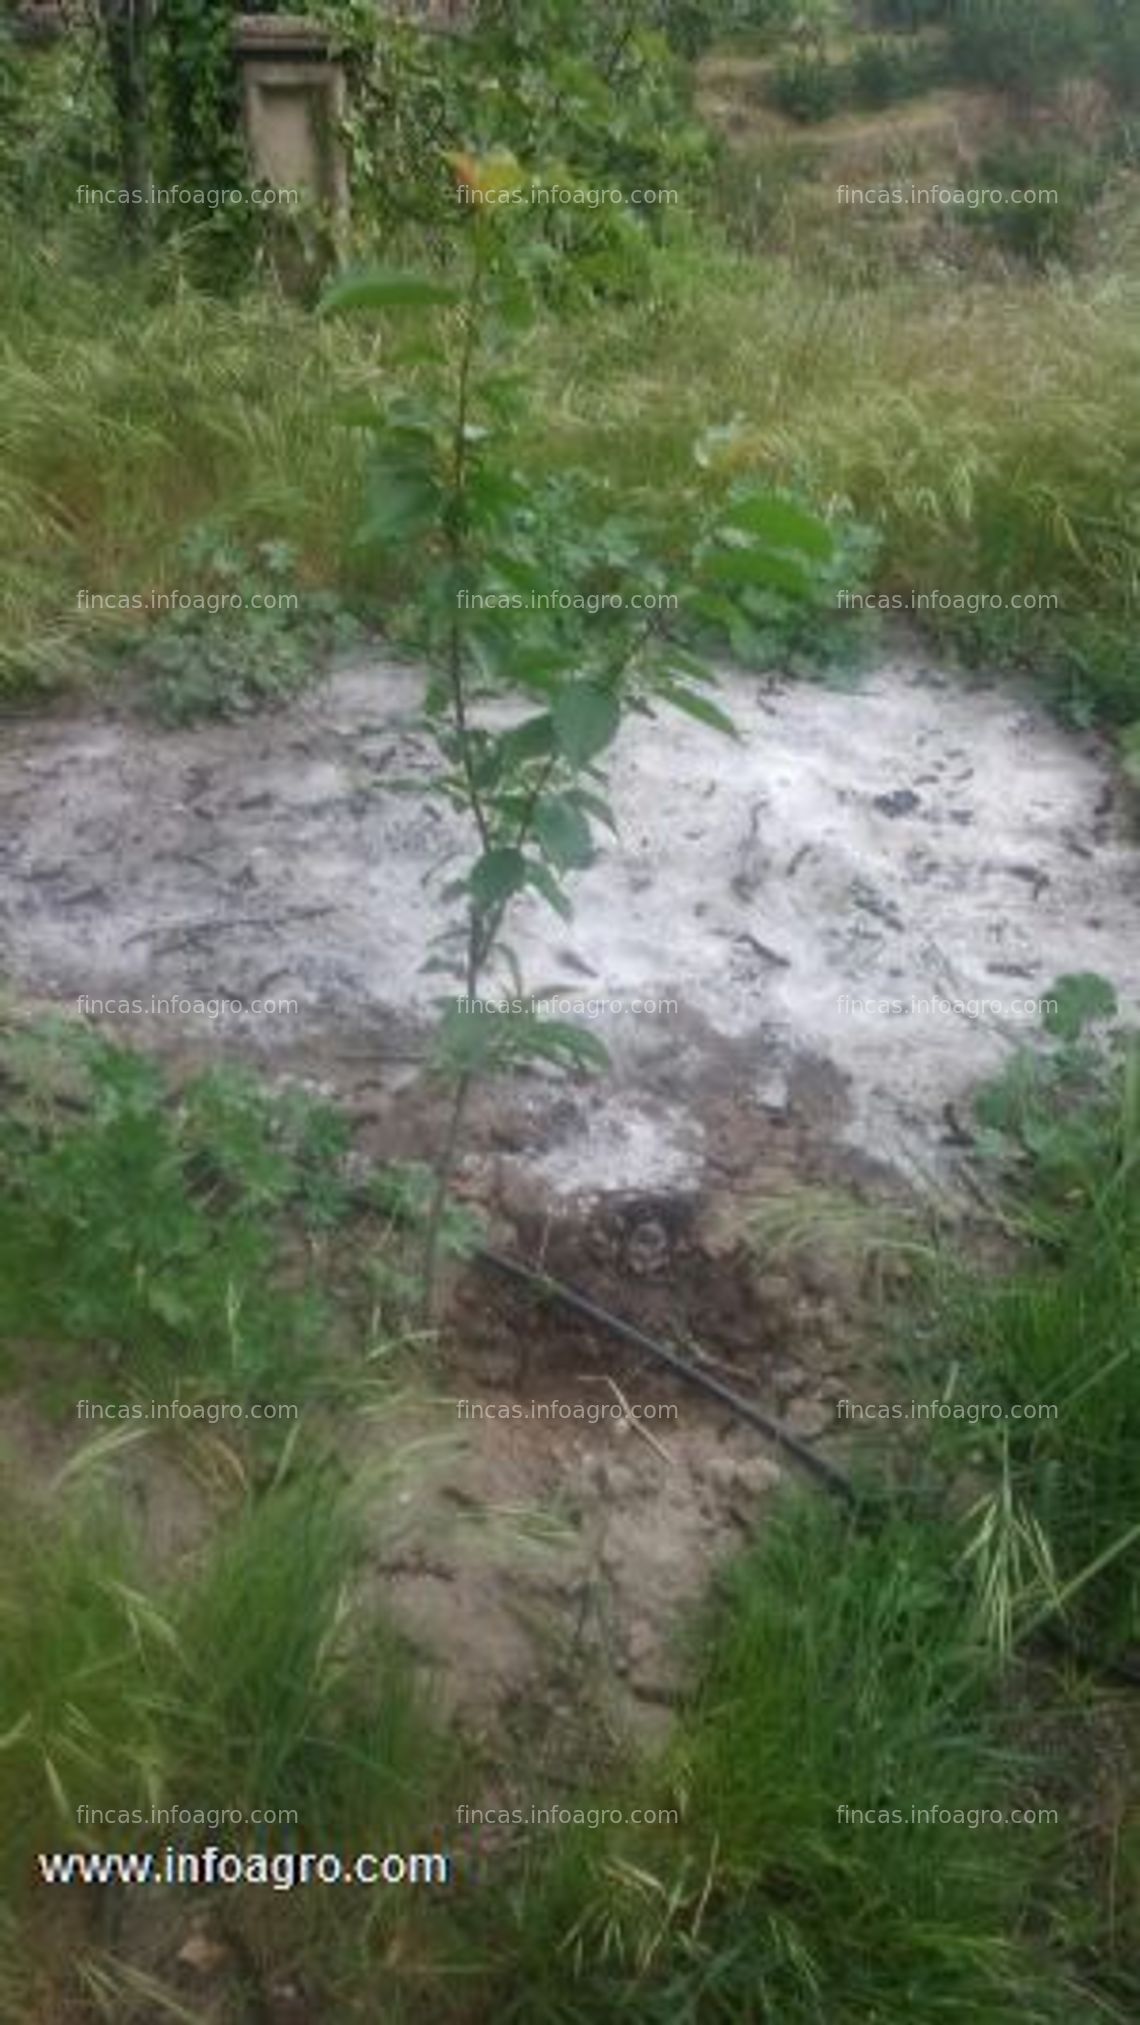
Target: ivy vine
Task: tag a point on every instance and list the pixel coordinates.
(202, 94)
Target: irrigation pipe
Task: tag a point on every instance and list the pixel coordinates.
(579, 1304)
(835, 1480)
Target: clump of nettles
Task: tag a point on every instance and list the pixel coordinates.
(241, 634)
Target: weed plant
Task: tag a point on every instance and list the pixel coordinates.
(834, 1673)
(1057, 1538)
(250, 1679)
(144, 1236)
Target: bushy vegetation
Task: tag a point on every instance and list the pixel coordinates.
(1060, 1533)
(1025, 47)
(833, 1677)
(977, 478)
(1039, 232)
(595, 97)
(170, 1212)
(883, 73)
(234, 1684)
(144, 439)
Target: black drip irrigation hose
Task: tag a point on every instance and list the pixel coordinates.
(580, 1304)
(1120, 1668)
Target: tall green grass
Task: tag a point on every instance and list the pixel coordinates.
(834, 1671)
(896, 1661)
(134, 411)
(989, 434)
(251, 1678)
(241, 1680)
(1057, 1536)
(987, 429)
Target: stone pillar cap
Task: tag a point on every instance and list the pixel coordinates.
(280, 35)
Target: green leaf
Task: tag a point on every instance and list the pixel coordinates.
(497, 875)
(781, 525)
(532, 739)
(1079, 996)
(385, 288)
(757, 566)
(564, 833)
(400, 503)
(689, 667)
(503, 1033)
(715, 606)
(586, 720)
(470, 1039)
(595, 806)
(542, 879)
(695, 705)
(559, 1042)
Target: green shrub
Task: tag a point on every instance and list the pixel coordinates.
(607, 100)
(251, 638)
(807, 87)
(55, 123)
(1038, 231)
(141, 1236)
(910, 14)
(1025, 47)
(882, 73)
(692, 26)
(1120, 60)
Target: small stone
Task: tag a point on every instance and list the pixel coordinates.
(831, 1321)
(647, 1249)
(650, 1669)
(499, 1369)
(720, 1472)
(758, 1475)
(774, 1291)
(642, 1642)
(772, 1095)
(617, 1480)
(510, 1135)
(204, 1956)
